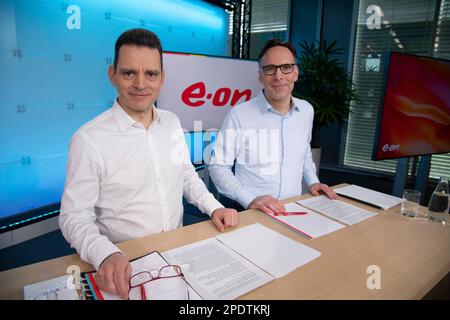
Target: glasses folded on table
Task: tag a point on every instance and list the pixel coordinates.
(166, 284)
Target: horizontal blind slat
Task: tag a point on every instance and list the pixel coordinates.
(407, 25)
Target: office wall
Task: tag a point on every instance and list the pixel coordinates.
(54, 57)
(305, 22)
(329, 20)
(337, 24)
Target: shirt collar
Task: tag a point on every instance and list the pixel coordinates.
(265, 106)
(125, 121)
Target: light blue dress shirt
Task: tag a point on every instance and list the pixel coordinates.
(272, 151)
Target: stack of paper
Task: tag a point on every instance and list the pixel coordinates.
(337, 210)
(61, 288)
(370, 197)
(234, 263)
(271, 251)
(311, 224)
(151, 262)
(223, 267)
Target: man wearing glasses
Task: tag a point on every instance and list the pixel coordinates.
(268, 140)
(129, 168)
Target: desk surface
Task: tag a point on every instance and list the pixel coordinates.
(413, 256)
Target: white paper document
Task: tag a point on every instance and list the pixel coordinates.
(147, 263)
(234, 263)
(53, 289)
(216, 271)
(370, 197)
(271, 251)
(152, 262)
(337, 210)
(311, 224)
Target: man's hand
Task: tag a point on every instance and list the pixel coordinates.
(316, 188)
(267, 204)
(224, 218)
(113, 275)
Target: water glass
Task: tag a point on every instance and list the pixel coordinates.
(410, 203)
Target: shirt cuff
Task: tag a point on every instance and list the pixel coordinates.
(244, 197)
(211, 205)
(310, 179)
(99, 252)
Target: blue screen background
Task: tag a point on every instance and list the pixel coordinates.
(53, 79)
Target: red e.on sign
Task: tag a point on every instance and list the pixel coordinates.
(195, 95)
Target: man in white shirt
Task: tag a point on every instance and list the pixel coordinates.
(268, 139)
(129, 168)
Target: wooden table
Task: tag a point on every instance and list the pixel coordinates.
(413, 256)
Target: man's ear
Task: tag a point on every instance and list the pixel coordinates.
(260, 76)
(296, 73)
(111, 74)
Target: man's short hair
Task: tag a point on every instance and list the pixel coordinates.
(137, 37)
(277, 43)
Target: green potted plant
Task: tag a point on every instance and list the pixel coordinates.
(324, 83)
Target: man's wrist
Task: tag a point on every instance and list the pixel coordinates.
(109, 257)
(100, 252)
(244, 197)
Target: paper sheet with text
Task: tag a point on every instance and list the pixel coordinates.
(336, 209)
(382, 200)
(311, 224)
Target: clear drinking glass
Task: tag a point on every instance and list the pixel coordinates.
(410, 202)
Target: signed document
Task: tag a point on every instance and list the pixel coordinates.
(338, 210)
(236, 262)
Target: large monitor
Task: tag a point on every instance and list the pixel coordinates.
(415, 111)
(67, 46)
(200, 145)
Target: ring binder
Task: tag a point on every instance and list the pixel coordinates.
(85, 290)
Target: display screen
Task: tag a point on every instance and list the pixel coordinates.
(200, 145)
(415, 116)
(54, 57)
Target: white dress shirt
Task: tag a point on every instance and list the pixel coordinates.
(272, 151)
(125, 181)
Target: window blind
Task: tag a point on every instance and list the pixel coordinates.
(269, 20)
(440, 163)
(405, 26)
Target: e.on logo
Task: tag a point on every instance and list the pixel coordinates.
(195, 96)
(392, 147)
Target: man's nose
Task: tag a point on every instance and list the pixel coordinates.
(139, 81)
(278, 74)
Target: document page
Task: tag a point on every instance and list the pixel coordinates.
(273, 252)
(152, 262)
(311, 224)
(382, 200)
(336, 209)
(215, 271)
(52, 289)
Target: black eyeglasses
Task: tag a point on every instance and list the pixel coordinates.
(271, 69)
(170, 285)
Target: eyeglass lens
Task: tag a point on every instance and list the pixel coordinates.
(272, 69)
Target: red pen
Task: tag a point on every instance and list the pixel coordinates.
(143, 294)
(294, 213)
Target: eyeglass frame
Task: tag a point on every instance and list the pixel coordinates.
(278, 66)
(142, 287)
